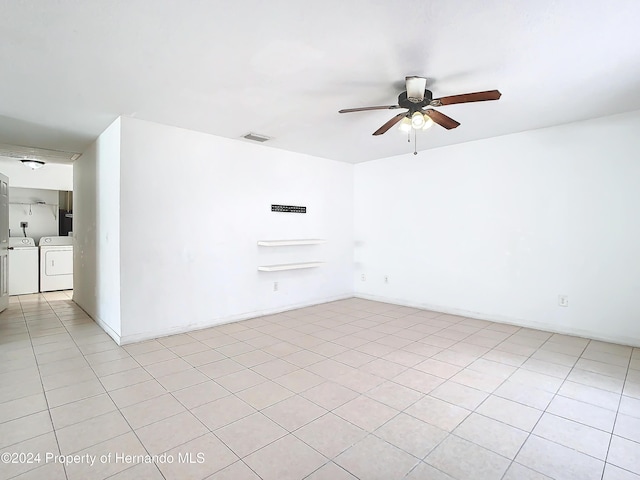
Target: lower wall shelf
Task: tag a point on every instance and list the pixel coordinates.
(289, 266)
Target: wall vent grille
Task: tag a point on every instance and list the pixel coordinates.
(256, 137)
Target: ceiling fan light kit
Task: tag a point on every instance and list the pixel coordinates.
(417, 120)
(428, 123)
(416, 99)
(405, 125)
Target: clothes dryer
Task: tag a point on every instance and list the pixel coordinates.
(56, 263)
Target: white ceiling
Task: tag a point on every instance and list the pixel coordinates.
(283, 68)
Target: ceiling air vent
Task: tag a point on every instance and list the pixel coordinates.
(256, 137)
(31, 153)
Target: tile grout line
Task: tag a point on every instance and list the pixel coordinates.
(542, 414)
(489, 394)
(240, 459)
(365, 393)
(372, 433)
(615, 421)
(46, 399)
(117, 408)
(537, 349)
(329, 460)
(91, 366)
(451, 433)
(423, 394)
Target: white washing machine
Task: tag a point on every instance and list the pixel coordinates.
(23, 266)
(56, 263)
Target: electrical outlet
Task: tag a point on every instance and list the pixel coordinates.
(362, 278)
(386, 279)
(563, 300)
(24, 224)
(275, 286)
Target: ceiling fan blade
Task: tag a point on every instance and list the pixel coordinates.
(466, 98)
(363, 109)
(415, 88)
(441, 119)
(390, 123)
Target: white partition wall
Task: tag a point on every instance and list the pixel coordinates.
(194, 207)
(96, 218)
(191, 210)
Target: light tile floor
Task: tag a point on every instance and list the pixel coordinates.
(344, 390)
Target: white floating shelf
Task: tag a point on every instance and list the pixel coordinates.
(289, 266)
(281, 243)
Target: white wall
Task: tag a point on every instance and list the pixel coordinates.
(42, 219)
(96, 219)
(193, 208)
(52, 176)
(493, 229)
(85, 273)
(498, 228)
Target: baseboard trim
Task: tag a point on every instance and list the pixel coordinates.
(101, 323)
(574, 332)
(109, 331)
(141, 337)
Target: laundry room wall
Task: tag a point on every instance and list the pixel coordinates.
(499, 228)
(193, 207)
(26, 205)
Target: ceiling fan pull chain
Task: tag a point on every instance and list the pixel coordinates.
(415, 142)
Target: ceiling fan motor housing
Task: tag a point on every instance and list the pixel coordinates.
(404, 102)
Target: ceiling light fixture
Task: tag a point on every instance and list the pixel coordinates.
(412, 123)
(405, 125)
(428, 123)
(32, 164)
(417, 120)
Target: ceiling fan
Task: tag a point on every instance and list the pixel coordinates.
(416, 99)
